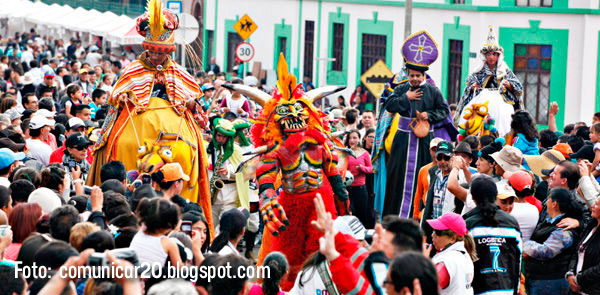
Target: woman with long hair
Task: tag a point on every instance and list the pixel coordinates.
(278, 270)
(367, 141)
(497, 239)
(583, 275)
(370, 178)
(524, 133)
(359, 167)
(23, 221)
(455, 256)
(232, 226)
(199, 226)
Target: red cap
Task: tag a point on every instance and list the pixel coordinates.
(519, 180)
(451, 221)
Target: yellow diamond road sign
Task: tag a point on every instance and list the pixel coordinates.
(375, 77)
(245, 27)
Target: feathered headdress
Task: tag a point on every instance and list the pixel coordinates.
(157, 26)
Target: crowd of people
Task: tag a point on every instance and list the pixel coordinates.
(512, 214)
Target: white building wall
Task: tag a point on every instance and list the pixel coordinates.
(582, 49)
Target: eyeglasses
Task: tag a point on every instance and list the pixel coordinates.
(445, 157)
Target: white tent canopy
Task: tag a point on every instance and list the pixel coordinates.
(64, 21)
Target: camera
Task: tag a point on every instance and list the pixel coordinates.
(100, 259)
(71, 164)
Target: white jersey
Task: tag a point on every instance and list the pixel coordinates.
(459, 266)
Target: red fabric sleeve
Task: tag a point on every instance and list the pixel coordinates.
(443, 275)
(367, 167)
(344, 275)
(346, 244)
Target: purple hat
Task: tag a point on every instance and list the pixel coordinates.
(419, 51)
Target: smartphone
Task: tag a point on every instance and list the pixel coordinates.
(186, 227)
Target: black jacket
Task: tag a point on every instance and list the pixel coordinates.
(499, 250)
(428, 211)
(556, 267)
(589, 276)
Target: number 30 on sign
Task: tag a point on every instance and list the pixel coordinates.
(244, 52)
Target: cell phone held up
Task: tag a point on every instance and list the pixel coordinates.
(186, 227)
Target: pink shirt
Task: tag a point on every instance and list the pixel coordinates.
(12, 251)
(364, 167)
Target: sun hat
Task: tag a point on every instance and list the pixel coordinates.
(547, 160)
(509, 158)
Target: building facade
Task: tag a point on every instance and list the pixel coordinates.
(552, 45)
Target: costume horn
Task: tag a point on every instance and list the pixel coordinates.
(321, 92)
(258, 96)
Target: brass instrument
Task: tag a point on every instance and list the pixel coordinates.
(216, 184)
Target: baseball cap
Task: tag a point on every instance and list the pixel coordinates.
(7, 157)
(564, 148)
(48, 74)
(505, 190)
(13, 114)
(207, 86)
(173, 171)
(83, 71)
(444, 147)
(350, 225)
(519, 180)
(77, 140)
(509, 158)
(46, 198)
(75, 123)
(547, 172)
(45, 113)
(451, 221)
(434, 142)
(6, 142)
(586, 152)
(38, 122)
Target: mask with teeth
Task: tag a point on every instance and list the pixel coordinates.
(291, 117)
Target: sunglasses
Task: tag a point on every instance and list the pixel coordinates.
(80, 148)
(445, 157)
(439, 233)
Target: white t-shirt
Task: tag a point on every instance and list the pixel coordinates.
(4, 182)
(312, 283)
(228, 249)
(460, 268)
(527, 216)
(39, 150)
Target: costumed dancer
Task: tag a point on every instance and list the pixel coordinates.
(419, 105)
(492, 81)
(229, 189)
(444, 130)
(153, 109)
(297, 144)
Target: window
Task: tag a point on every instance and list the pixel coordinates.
(455, 71)
(338, 47)
(534, 3)
(458, 1)
(532, 67)
(283, 45)
(233, 39)
(309, 48)
(373, 49)
(209, 42)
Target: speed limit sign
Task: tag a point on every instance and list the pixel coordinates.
(244, 51)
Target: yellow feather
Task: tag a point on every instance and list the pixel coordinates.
(286, 82)
(156, 18)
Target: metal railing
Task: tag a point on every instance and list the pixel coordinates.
(117, 7)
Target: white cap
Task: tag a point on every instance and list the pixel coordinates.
(46, 113)
(250, 81)
(75, 122)
(350, 225)
(46, 198)
(505, 190)
(38, 122)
